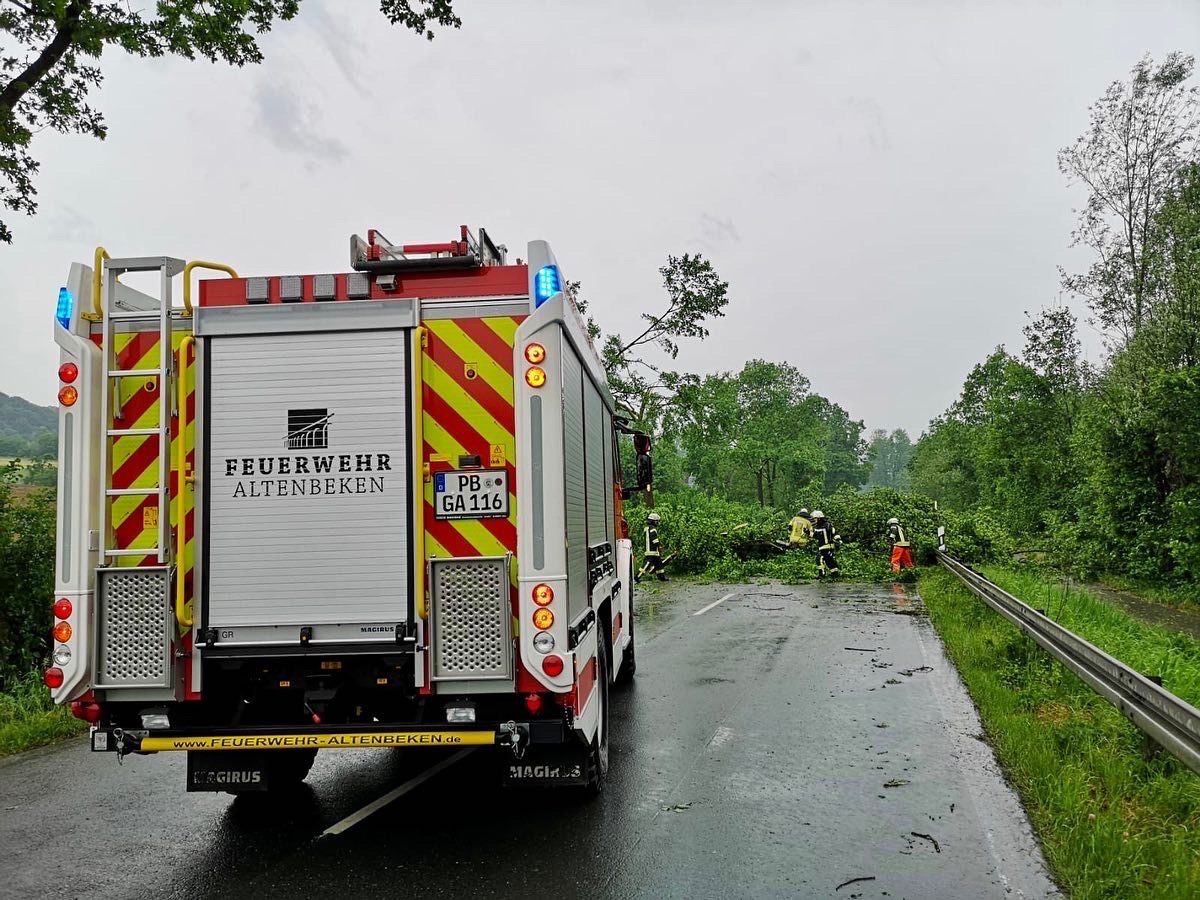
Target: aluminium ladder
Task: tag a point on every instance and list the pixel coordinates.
(116, 314)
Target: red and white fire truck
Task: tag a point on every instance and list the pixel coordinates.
(380, 508)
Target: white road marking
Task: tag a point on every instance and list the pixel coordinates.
(715, 604)
(375, 805)
(721, 737)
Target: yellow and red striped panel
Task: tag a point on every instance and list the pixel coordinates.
(133, 521)
(467, 371)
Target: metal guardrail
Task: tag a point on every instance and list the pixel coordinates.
(1172, 723)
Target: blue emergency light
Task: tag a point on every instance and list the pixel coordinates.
(66, 307)
(545, 285)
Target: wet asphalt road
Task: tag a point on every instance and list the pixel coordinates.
(755, 756)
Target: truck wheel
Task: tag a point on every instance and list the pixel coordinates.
(288, 768)
(597, 757)
(629, 654)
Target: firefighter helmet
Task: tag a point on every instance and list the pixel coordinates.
(893, 521)
(654, 517)
(804, 512)
(817, 514)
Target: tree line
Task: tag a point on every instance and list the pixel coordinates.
(1101, 462)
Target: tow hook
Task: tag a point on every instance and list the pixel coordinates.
(518, 738)
(118, 736)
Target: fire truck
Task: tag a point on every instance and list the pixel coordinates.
(372, 509)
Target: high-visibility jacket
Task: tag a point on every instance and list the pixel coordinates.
(825, 535)
(653, 547)
(801, 531)
(896, 536)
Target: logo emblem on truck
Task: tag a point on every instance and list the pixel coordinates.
(308, 429)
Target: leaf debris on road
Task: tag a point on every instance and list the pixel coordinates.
(911, 672)
(897, 782)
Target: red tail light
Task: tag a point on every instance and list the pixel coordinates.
(54, 676)
(87, 710)
(62, 608)
(551, 665)
(68, 372)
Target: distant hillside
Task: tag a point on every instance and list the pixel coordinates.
(26, 429)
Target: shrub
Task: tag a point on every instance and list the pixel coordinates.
(26, 576)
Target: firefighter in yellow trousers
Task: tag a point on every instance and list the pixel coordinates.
(902, 557)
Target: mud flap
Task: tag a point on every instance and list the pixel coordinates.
(227, 770)
(563, 766)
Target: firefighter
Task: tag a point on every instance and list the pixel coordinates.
(826, 538)
(653, 550)
(802, 529)
(902, 557)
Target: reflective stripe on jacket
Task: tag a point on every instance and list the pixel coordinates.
(653, 548)
(826, 535)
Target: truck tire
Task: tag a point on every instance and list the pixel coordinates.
(597, 757)
(629, 654)
(290, 767)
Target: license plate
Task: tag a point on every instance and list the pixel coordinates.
(471, 494)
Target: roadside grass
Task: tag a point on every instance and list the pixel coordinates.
(28, 718)
(1172, 656)
(1114, 820)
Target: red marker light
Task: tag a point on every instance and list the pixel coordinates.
(54, 676)
(62, 608)
(86, 710)
(533, 703)
(551, 665)
(535, 353)
(68, 372)
(543, 594)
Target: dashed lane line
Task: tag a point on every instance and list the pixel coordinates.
(715, 604)
(375, 805)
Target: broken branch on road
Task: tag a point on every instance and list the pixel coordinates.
(928, 837)
(855, 881)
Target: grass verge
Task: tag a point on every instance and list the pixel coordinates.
(1114, 820)
(29, 719)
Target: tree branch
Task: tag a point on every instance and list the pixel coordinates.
(47, 60)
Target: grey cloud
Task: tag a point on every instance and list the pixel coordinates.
(293, 125)
(344, 46)
(714, 232)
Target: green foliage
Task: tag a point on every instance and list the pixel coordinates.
(1113, 821)
(889, 455)
(760, 435)
(26, 576)
(730, 541)
(642, 389)
(29, 718)
(1140, 134)
(52, 50)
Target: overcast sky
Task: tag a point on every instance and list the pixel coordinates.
(876, 180)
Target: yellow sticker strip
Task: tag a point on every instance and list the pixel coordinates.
(321, 741)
